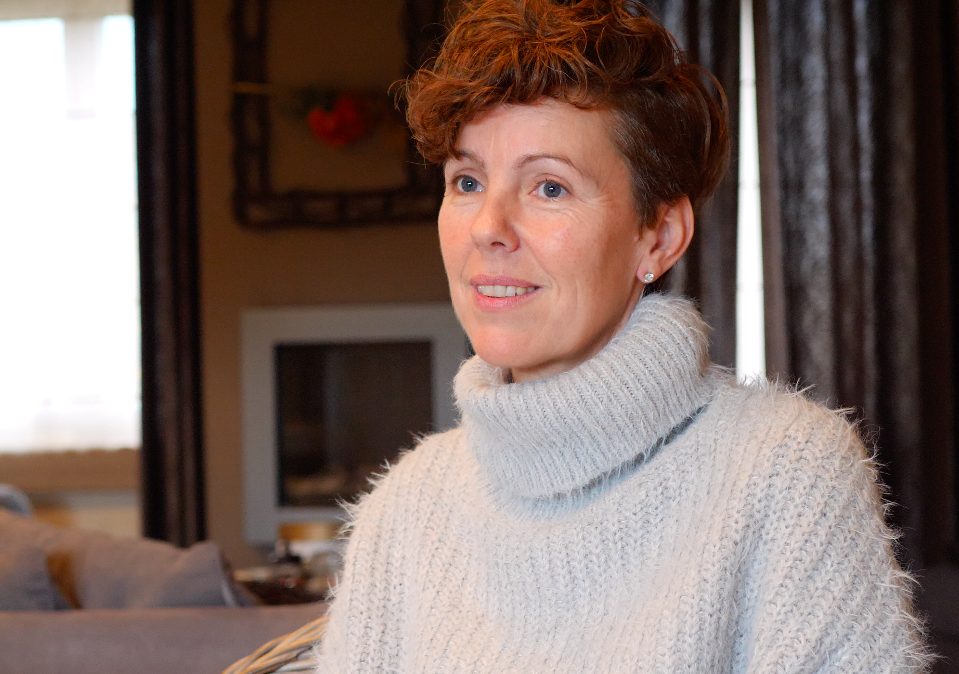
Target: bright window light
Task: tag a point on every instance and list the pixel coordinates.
(69, 277)
(750, 329)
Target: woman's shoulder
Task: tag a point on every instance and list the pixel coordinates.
(417, 473)
(782, 428)
(430, 459)
(800, 463)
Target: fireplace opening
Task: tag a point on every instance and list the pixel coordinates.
(343, 411)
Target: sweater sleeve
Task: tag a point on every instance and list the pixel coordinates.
(361, 635)
(824, 592)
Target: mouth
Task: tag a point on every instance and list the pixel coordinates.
(501, 287)
(503, 291)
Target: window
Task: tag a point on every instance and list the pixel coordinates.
(69, 277)
(750, 329)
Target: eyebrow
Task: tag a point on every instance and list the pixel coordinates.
(469, 156)
(538, 156)
(523, 161)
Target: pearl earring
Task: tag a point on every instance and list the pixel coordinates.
(649, 277)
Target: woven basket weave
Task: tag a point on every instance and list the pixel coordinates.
(290, 653)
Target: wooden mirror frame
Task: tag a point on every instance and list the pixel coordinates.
(256, 202)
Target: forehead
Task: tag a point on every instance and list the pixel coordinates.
(548, 126)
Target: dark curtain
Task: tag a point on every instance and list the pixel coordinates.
(708, 31)
(855, 159)
(859, 173)
(171, 457)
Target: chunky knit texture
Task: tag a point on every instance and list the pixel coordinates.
(639, 513)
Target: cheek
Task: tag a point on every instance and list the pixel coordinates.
(556, 246)
(605, 270)
(450, 235)
(583, 255)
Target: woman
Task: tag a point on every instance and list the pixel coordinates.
(610, 502)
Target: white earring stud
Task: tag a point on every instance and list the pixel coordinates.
(649, 277)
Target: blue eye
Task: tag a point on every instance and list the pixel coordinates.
(551, 190)
(467, 184)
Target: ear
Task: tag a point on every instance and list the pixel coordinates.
(668, 239)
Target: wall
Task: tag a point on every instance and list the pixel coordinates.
(242, 268)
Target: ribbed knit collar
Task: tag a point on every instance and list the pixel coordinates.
(558, 435)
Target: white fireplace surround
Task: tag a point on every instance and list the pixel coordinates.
(264, 329)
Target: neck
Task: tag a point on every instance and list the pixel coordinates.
(560, 434)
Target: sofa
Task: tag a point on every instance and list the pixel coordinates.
(83, 602)
(141, 641)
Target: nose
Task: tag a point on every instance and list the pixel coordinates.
(494, 229)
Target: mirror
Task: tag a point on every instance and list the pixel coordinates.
(318, 140)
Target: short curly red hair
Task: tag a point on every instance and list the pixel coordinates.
(670, 127)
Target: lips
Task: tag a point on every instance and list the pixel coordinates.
(501, 290)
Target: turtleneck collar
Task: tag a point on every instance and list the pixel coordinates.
(557, 435)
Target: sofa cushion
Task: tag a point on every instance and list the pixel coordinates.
(114, 573)
(97, 571)
(25, 584)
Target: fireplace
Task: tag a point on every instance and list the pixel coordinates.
(330, 395)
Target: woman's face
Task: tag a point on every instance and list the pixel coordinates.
(540, 236)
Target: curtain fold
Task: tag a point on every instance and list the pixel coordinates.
(708, 30)
(854, 159)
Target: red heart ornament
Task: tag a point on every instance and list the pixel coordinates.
(343, 124)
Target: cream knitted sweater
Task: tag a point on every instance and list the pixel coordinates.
(639, 513)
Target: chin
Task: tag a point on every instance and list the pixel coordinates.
(509, 351)
(499, 356)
